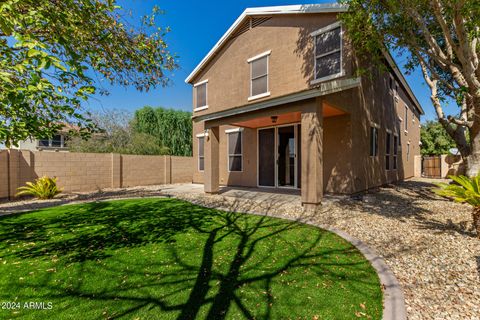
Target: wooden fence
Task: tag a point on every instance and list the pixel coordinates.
(432, 167)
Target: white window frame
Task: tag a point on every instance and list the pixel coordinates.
(200, 108)
(249, 61)
(201, 136)
(227, 132)
(314, 36)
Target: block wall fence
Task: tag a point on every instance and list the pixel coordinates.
(77, 172)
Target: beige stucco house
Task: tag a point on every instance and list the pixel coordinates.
(277, 104)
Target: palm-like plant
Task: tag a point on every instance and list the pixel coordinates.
(43, 188)
(466, 190)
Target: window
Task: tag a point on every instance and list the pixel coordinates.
(201, 153)
(388, 142)
(234, 149)
(259, 76)
(44, 143)
(406, 118)
(408, 151)
(373, 141)
(395, 151)
(57, 141)
(201, 96)
(328, 52)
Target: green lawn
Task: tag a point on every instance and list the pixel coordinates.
(169, 259)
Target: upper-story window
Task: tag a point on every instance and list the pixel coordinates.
(259, 76)
(328, 52)
(201, 95)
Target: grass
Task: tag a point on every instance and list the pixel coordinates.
(169, 259)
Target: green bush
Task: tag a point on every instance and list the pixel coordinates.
(465, 190)
(43, 188)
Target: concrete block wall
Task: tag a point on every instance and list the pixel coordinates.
(4, 174)
(178, 174)
(78, 172)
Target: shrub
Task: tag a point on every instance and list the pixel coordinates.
(466, 190)
(43, 188)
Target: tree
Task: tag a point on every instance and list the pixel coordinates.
(435, 140)
(171, 128)
(116, 135)
(54, 55)
(438, 37)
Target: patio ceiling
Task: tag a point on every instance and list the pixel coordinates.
(285, 118)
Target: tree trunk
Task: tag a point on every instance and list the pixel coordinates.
(473, 159)
(476, 220)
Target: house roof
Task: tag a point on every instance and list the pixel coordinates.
(293, 9)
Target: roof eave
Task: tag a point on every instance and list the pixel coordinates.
(315, 8)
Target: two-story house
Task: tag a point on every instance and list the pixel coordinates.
(277, 104)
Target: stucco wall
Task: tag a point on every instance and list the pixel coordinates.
(90, 171)
(291, 61)
(374, 105)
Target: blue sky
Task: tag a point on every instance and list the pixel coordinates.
(191, 38)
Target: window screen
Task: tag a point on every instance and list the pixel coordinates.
(44, 142)
(388, 141)
(373, 141)
(328, 53)
(406, 118)
(57, 141)
(395, 151)
(201, 154)
(235, 151)
(259, 83)
(201, 95)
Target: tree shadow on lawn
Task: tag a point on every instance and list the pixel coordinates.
(190, 262)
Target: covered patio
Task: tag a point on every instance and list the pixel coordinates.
(286, 139)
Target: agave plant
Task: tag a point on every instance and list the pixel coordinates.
(466, 190)
(43, 188)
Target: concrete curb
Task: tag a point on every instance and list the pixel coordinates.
(393, 298)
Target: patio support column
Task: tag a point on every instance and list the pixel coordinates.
(312, 154)
(212, 177)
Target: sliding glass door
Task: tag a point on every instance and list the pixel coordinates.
(278, 157)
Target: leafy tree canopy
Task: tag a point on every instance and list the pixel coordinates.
(440, 38)
(116, 135)
(171, 128)
(435, 140)
(55, 53)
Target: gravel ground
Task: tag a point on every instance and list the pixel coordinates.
(428, 242)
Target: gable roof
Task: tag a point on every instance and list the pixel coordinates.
(294, 9)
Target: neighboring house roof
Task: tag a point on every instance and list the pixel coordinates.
(294, 9)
